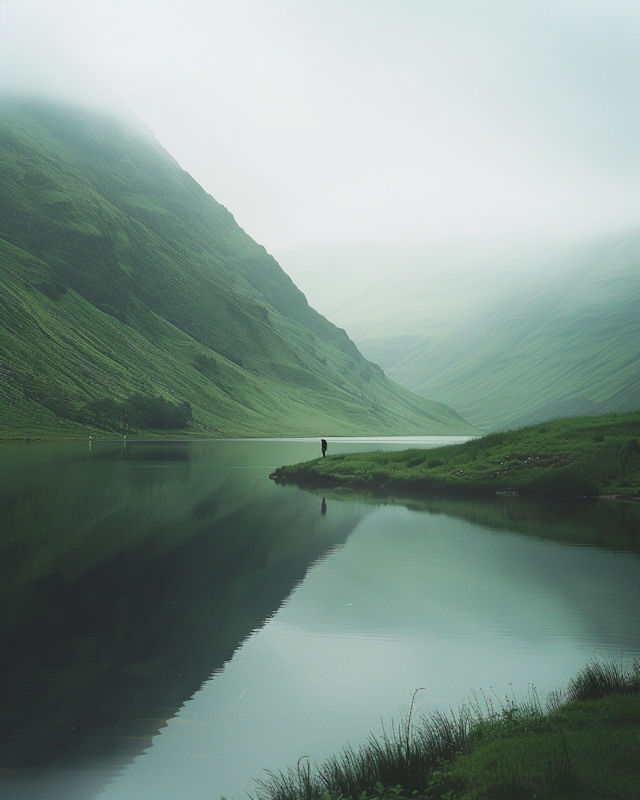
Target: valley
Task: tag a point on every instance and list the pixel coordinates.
(121, 278)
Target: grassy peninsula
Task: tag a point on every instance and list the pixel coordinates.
(583, 743)
(585, 456)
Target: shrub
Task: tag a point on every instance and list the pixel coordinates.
(139, 411)
(144, 411)
(206, 365)
(570, 480)
(628, 450)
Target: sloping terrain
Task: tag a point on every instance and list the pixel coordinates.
(131, 301)
(560, 338)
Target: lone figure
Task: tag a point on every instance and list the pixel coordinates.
(323, 445)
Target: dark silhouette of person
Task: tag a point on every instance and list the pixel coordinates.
(323, 507)
(323, 445)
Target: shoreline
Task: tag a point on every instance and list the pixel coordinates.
(399, 493)
(583, 457)
(491, 748)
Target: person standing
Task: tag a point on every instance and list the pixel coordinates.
(323, 445)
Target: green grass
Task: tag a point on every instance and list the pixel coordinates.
(121, 277)
(574, 457)
(584, 744)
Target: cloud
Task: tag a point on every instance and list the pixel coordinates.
(365, 120)
(39, 55)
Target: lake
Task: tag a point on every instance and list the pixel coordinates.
(174, 623)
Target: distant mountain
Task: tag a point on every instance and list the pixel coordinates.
(131, 301)
(560, 338)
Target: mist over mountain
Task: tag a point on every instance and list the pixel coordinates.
(509, 335)
(132, 301)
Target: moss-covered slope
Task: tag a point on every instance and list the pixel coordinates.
(121, 279)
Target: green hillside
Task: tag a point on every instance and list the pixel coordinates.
(132, 302)
(561, 340)
(584, 457)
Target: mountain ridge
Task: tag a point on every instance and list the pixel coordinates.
(123, 278)
(557, 335)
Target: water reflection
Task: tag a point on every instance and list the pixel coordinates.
(148, 608)
(126, 579)
(413, 599)
(584, 522)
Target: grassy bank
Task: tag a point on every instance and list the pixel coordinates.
(586, 456)
(585, 743)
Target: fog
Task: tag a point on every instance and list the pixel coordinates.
(352, 137)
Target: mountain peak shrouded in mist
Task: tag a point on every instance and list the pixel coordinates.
(346, 136)
(371, 123)
(133, 301)
(506, 346)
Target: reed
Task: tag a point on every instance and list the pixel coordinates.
(603, 678)
(491, 748)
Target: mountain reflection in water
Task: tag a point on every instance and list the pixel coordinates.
(157, 591)
(129, 573)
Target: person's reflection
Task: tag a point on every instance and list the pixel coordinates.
(323, 507)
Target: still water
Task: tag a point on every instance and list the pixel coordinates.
(173, 623)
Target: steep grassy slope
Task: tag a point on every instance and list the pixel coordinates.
(564, 340)
(122, 280)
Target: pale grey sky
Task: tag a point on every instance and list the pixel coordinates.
(366, 121)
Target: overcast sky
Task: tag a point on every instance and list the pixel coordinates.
(366, 121)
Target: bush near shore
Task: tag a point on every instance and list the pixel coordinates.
(585, 456)
(584, 744)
